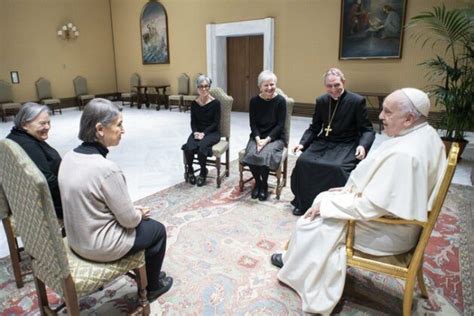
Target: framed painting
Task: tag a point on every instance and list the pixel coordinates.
(371, 29)
(154, 34)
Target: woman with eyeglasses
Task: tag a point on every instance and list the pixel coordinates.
(30, 131)
(267, 113)
(205, 119)
(339, 136)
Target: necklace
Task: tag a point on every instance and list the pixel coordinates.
(331, 117)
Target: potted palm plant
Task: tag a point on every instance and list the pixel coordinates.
(451, 76)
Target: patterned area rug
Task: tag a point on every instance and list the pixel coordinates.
(219, 247)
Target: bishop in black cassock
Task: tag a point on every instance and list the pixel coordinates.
(329, 147)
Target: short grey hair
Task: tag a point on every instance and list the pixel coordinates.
(201, 78)
(334, 72)
(406, 106)
(266, 75)
(28, 112)
(98, 110)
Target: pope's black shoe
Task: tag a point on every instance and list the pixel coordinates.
(165, 285)
(277, 260)
(298, 212)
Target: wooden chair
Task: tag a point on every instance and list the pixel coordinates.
(53, 262)
(222, 147)
(176, 100)
(282, 172)
(82, 93)
(43, 90)
(135, 80)
(7, 106)
(12, 241)
(188, 99)
(408, 266)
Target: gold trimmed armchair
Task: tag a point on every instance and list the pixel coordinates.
(408, 266)
(53, 263)
(222, 147)
(282, 172)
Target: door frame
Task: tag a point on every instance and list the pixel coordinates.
(216, 35)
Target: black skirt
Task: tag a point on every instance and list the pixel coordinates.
(270, 156)
(203, 146)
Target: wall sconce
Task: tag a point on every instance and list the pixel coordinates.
(68, 31)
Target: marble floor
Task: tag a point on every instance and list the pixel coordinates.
(150, 155)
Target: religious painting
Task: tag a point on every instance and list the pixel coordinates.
(154, 34)
(371, 29)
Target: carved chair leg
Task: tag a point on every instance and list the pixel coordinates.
(421, 282)
(14, 252)
(43, 304)
(227, 162)
(278, 186)
(142, 282)
(218, 167)
(70, 296)
(408, 295)
(241, 181)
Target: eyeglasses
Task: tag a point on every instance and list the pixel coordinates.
(330, 86)
(204, 87)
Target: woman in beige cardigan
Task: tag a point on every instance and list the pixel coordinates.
(100, 220)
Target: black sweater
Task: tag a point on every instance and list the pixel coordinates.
(267, 117)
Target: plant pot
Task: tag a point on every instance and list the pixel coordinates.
(448, 142)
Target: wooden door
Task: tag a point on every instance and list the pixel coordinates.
(244, 63)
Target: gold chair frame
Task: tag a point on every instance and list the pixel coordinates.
(409, 266)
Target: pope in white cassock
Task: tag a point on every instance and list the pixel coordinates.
(399, 178)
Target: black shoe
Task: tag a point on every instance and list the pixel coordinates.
(255, 191)
(263, 194)
(165, 285)
(277, 260)
(162, 275)
(191, 178)
(201, 181)
(298, 212)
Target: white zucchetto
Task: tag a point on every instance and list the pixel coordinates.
(419, 99)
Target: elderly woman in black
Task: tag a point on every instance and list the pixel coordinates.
(267, 122)
(30, 131)
(205, 118)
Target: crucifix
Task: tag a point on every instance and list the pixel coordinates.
(328, 129)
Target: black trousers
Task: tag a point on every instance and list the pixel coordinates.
(151, 237)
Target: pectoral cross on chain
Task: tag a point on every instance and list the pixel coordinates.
(328, 129)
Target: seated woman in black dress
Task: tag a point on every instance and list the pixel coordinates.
(267, 123)
(30, 131)
(205, 118)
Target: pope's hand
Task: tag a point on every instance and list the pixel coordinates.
(313, 212)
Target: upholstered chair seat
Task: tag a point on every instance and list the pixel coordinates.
(135, 80)
(176, 100)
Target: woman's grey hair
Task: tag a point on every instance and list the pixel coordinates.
(407, 107)
(201, 78)
(334, 72)
(28, 112)
(266, 75)
(98, 110)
